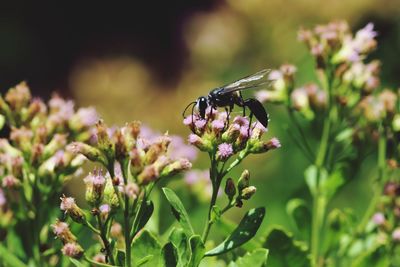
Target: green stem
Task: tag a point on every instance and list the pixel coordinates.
(319, 201)
(381, 179)
(103, 236)
(127, 228)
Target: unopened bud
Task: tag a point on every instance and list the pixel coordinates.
(19, 96)
(134, 129)
(244, 180)
(232, 133)
(230, 189)
(176, 167)
(88, 151)
(148, 175)
(248, 192)
(9, 181)
(201, 143)
(121, 149)
(57, 142)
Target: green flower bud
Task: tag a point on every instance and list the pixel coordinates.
(57, 142)
(244, 180)
(148, 175)
(92, 153)
(176, 167)
(110, 197)
(248, 192)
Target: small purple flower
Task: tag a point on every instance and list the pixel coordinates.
(242, 121)
(217, 125)
(72, 250)
(225, 150)
(105, 209)
(396, 234)
(3, 199)
(194, 139)
(379, 218)
(59, 228)
(88, 116)
(67, 203)
(274, 143)
(200, 124)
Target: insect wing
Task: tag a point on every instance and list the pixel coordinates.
(258, 79)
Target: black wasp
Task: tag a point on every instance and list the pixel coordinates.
(229, 95)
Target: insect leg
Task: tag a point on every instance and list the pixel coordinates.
(242, 103)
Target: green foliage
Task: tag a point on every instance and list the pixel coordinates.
(179, 211)
(246, 230)
(284, 251)
(257, 258)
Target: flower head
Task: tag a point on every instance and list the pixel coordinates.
(225, 150)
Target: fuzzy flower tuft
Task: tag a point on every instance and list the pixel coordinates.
(225, 150)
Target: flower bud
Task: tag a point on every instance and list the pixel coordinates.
(217, 126)
(110, 197)
(136, 156)
(9, 149)
(88, 151)
(35, 108)
(201, 143)
(133, 129)
(148, 175)
(103, 139)
(175, 167)
(22, 138)
(131, 190)
(121, 148)
(73, 250)
(62, 231)
(379, 218)
(9, 181)
(396, 234)
(116, 230)
(69, 206)
(230, 189)
(57, 142)
(19, 96)
(232, 133)
(262, 146)
(244, 180)
(95, 184)
(248, 192)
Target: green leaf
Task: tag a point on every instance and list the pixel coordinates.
(144, 260)
(197, 250)
(145, 212)
(246, 230)
(169, 256)
(284, 251)
(9, 258)
(332, 183)
(301, 216)
(377, 257)
(144, 245)
(179, 211)
(76, 262)
(179, 239)
(258, 258)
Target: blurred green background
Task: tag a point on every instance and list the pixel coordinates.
(148, 60)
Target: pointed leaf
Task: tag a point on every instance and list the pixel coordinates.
(300, 213)
(10, 258)
(169, 256)
(284, 251)
(179, 211)
(76, 262)
(258, 258)
(179, 239)
(197, 250)
(144, 245)
(145, 212)
(246, 230)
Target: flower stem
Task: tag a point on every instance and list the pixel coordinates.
(319, 201)
(103, 236)
(216, 181)
(381, 179)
